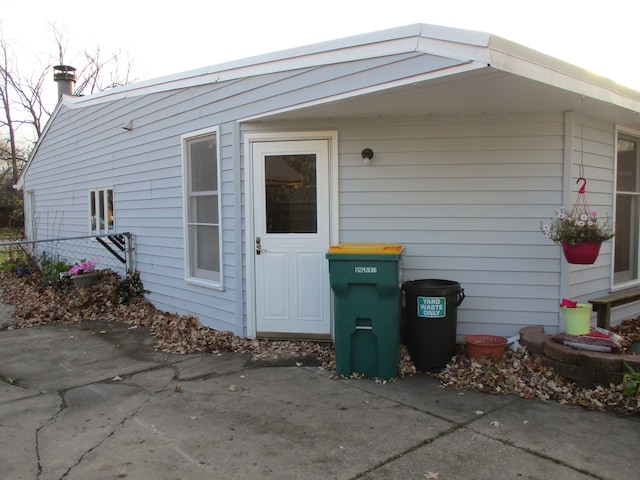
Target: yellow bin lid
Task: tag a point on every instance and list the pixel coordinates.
(366, 248)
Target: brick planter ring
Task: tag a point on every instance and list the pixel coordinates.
(582, 366)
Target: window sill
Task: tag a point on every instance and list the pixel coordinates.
(205, 283)
(625, 286)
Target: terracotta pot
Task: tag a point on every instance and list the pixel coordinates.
(584, 253)
(485, 346)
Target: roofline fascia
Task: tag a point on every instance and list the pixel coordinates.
(460, 68)
(469, 45)
(209, 76)
(522, 61)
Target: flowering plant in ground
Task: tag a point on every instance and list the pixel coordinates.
(577, 226)
(86, 266)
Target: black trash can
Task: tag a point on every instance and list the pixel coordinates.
(431, 309)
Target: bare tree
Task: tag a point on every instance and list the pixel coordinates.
(11, 99)
(24, 110)
(97, 71)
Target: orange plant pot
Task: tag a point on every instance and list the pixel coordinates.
(485, 346)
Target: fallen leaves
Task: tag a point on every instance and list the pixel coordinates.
(517, 373)
(173, 333)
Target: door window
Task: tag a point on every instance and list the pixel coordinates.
(290, 192)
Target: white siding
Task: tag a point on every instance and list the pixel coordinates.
(465, 195)
(87, 148)
(598, 142)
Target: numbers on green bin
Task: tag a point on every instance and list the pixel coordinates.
(432, 307)
(365, 269)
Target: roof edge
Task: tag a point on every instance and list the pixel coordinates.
(367, 45)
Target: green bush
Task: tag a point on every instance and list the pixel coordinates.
(131, 288)
(631, 381)
(51, 271)
(11, 261)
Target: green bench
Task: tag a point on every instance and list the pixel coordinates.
(603, 305)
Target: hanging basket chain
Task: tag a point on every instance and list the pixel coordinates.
(581, 205)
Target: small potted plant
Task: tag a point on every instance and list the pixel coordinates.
(83, 274)
(580, 233)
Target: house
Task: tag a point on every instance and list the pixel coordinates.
(235, 179)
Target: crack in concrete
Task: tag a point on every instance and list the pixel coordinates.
(460, 426)
(61, 408)
(541, 455)
(454, 428)
(127, 418)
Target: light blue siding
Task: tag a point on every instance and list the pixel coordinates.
(464, 193)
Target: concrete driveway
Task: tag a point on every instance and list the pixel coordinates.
(94, 401)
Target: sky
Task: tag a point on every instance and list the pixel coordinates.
(164, 38)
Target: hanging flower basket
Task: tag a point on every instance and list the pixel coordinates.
(579, 231)
(584, 253)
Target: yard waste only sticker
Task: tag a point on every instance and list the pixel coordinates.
(432, 307)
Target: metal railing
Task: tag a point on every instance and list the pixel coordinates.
(114, 251)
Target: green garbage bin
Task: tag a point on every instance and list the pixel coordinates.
(431, 321)
(366, 279)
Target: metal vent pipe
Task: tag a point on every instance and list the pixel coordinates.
(65, 76)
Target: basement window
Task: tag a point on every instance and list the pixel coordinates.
(201, 207)
(101, 216)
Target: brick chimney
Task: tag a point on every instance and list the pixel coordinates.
(65, 76)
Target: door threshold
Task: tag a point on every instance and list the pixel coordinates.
(312, 337)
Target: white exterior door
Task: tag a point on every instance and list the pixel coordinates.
(291, 226)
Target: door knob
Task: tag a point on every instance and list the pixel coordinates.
(259, 248)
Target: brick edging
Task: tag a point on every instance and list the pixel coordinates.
(582, 366)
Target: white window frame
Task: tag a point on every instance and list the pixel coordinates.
(95, 227)
(200, 277)
(30, 214)
(634, 281)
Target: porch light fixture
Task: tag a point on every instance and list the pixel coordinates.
(367, 155)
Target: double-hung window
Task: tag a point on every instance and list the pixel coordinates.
(627, 209)
(101, 216)
(201, 204)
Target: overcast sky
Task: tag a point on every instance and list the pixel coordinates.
(170, 37)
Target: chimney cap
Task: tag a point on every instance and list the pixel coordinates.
(64, 72)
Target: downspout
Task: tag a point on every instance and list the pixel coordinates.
(567, 182)
(241, 310)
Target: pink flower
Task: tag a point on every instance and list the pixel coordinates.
(84, 267)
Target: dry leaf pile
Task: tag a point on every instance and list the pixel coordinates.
(517, 373)
(173, 333)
